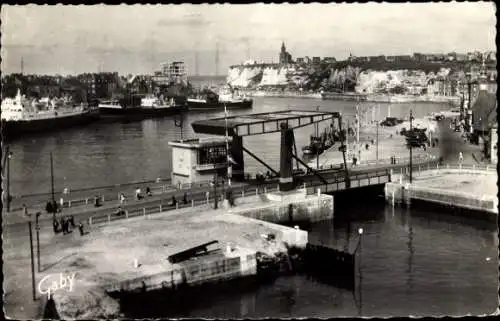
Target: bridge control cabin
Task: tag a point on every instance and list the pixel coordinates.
(197, 160)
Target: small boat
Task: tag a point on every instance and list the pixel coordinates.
(319, 143)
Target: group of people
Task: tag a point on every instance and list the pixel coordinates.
(139, 196)
(174, 200)
(67, 224)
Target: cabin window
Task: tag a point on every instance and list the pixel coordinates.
(211, 155)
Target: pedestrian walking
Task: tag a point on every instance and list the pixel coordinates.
(184, 199)
(148, 191)
(174, 200)
(25, 210)
(72, 221)
(55, 225)
(61, 202)
(64, 226)
(97, 201)
(138, 193)
(460, 157)
(80, 227)
(122, 198)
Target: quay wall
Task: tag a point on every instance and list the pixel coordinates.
(235, 264)
(397, 193)
(297, 206)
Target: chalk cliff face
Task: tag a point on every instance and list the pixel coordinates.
(254, 75)
(348, 78)
(244, 76)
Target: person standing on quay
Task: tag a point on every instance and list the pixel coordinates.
(122, 198)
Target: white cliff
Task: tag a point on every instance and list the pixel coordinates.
(274, 76)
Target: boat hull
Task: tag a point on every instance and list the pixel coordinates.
(200, 106)
(12, 130)
(138, 113)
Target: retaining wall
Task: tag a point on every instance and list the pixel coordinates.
(300, 207)
(397, 193)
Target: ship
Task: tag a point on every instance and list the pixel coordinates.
(319, 143)
(21, 116)
(150, 106)
(226, 98)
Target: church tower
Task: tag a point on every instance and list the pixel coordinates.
(285, 57)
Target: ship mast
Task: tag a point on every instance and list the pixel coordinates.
(216, 58)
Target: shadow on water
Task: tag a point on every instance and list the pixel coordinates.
(182, 301)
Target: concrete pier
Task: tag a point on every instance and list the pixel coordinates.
(285, 207)
(472, 189)
(131, 254)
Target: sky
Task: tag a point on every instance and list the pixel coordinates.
(137, 38)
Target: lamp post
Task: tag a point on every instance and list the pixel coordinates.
(32, 262)
(216, 206)
(360, 289)
(411, 141)
(376, 150)
(37, 228)
(9, 156)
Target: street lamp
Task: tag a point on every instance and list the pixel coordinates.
(37, 228)
(9, 156)
(32, 262)
(411, 141)
(215, 183)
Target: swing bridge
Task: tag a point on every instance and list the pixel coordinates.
(285, 122)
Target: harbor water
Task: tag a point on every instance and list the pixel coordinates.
(412, 261)
(415, 262)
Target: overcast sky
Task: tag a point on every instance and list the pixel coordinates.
(136, 39)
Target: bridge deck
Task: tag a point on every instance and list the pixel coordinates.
(260, 123)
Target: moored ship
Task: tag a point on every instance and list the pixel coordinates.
(226, 98)
(21, 115)
(150, 106)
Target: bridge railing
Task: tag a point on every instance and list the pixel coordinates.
(160, 208)
(113, 196)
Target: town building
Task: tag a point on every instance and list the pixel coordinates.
(402, 58)
(169, 73)
(329, 60)
(285, 57)
(419, 57)
(316, 60)
(299, 60)
(484, 118)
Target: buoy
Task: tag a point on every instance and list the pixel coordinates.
(488, 259)
(136, 263)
